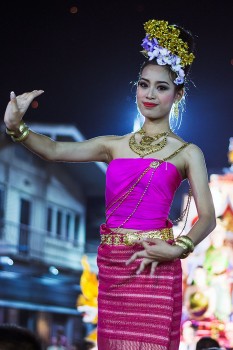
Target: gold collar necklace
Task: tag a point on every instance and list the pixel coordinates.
(145, 146)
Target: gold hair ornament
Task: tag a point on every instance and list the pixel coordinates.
(163, 43)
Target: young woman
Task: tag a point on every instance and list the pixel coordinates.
(139, 299)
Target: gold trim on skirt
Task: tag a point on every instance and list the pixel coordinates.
(129, 238)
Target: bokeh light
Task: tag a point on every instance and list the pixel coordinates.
(34, 104)
(73, 9)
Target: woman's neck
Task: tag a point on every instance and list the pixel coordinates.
(152, 128)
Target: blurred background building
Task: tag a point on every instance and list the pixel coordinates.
(43, 235)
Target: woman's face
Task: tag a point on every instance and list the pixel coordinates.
(156, 92)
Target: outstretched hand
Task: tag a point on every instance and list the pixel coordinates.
(17, 107)
(155, 251)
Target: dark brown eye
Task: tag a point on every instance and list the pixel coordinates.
(142, 84)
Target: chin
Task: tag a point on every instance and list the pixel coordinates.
(150, 114)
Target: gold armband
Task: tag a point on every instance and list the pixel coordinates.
(23, 132)
(187, 244)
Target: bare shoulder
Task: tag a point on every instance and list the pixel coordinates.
(111, 144)
(112, 141)
(193, 150)
(194, 156)
(176, 137)
(117, 145)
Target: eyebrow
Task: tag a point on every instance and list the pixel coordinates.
(158, 82)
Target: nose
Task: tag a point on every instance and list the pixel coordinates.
(151, 93)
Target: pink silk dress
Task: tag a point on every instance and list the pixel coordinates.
(138, 312)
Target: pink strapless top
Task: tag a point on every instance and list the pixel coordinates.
(152, 196)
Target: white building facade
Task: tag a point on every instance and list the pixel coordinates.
(43, 235)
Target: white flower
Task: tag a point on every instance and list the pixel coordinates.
(181, 73)
(179, 80)
(160, 61)
(153, 54)
(163, 51)
(176, 68)
(178, 59)
(168, 59)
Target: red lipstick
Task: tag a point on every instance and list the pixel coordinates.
(149, 104)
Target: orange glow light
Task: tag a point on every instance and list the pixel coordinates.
(73, 9)
(34, 104)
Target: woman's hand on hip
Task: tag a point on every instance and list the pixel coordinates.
(155, 251)
(17, 107)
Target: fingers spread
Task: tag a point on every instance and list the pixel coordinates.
(145, 262)
(154, 264)
(142, 266)
(142, 254)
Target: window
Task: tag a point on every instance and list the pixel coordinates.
(2, 195)
(25, 219)
(68, 218)
(49, 219)
(62, 222)
(59, 223)
(76, 227)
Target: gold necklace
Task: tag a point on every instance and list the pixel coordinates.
(145, 147)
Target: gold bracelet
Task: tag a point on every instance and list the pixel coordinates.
(22, 128)
(10, 132)
(22, 137)
(184, 246)
(23, 132)
(187, 241)
(187, 244)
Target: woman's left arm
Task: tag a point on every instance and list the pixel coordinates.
(156, 250)
(198, 179)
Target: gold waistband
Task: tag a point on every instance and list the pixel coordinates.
(129, 238)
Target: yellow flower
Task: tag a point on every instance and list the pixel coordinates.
(168, 37)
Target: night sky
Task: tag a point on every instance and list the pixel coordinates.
(87, 63)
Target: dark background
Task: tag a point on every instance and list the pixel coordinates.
(87, 62)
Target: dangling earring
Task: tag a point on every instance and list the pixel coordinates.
(176, 110)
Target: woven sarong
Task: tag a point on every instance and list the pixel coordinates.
(137, 312)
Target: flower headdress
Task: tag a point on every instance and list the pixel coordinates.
(163, 43)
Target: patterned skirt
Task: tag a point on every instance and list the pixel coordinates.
(137, 312)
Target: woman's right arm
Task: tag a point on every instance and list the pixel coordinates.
(96, 149)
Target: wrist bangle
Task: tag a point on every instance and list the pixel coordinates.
(187, 244)
(10, 132)
(21, 134)
(22, 127)
(22, 137)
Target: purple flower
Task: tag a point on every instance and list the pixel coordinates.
(155, 42)
(147, 44)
